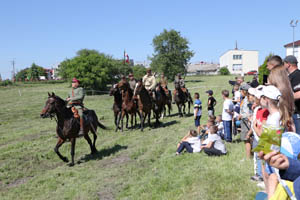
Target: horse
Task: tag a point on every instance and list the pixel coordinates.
(68, 126)
(129, 105)
(181, 98)
(144, 103)
(117, 106)
(166, 99)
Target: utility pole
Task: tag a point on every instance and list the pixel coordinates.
(293, 25)
(13, 78)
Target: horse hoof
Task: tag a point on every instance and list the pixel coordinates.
(71, 164)
(94, 152)
(65, 159)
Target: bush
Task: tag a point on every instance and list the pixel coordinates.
(6, 83)
(224, 71)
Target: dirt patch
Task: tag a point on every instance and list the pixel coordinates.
(106, 194)
(18, 182)
(120, 159)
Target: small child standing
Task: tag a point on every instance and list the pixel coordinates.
(197, 111)
(227, 114)
(211, 103)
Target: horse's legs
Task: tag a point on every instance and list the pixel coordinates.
(94, 132)
(122, 118)
(142, 120)
(127, 120)
(73, 142)
(131, 120)
(118, 121)
(189, 104)
(149, 116)
(56, 149)
(184, 108)
(88, 139)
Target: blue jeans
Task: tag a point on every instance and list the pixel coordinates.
(185, 145)
(258, 170)
(227, 130)
(296, 118)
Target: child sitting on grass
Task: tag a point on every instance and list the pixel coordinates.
(219, 124)
(190, 142)
(215, 145)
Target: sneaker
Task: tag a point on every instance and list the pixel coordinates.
(256, 178)
(261, 185)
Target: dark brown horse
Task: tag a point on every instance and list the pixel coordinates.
(68, 127)
(181, 98)
(129, 104)
(144, 103)
(163, 97)
(117, 106)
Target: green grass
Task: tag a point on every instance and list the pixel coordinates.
(129, 165)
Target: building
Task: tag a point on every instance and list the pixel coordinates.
(289, 49)
(240, 61)
(202, 68)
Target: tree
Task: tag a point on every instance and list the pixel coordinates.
(95, 70)
(171, 53)
(22, 75)
(139, 71)
(224, 71)
(263, 70)
(35, 71)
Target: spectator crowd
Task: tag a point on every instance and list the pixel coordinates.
(254, 112)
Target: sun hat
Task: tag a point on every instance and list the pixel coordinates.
(258, 91)
(252, 91)
(245, 86)
(271, 92)
(290, 145)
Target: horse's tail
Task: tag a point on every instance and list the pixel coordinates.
(101, 125)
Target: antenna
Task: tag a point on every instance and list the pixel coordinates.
(13, 73)
(236, 45)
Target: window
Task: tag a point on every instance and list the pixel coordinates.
(237, 67)
(237, 57)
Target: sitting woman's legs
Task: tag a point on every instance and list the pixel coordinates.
(184, 145)
(213, 152)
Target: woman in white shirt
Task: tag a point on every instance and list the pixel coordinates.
(215, 145)
(190, 142)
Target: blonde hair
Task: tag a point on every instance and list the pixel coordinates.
(279, 78)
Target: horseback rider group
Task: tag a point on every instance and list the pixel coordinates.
(77, 93)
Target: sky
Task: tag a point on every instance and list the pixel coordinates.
(47, 32)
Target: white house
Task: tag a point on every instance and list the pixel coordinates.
(239, 61)
(289, 49)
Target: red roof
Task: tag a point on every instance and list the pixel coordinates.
(297, 43)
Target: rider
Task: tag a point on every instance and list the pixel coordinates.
(132, 81)
(149, 82)
(181, 83)
(75, 99)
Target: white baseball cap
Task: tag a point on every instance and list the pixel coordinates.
(259, 91)
(271, 92)
(252, 91)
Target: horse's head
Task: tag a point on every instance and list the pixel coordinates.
(113, 90)
(51, 105)
(177, 86)
(123, 85)
(138, 87)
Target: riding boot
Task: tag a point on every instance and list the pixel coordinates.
(81, 132)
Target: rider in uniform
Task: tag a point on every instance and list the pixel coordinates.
(132, 81)
(149, 82)
(75, 99)
(181, 83)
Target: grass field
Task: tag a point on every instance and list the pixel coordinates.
(128, 165)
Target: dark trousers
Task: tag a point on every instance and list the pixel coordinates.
(213, 152)
(227, 130)
(185, 145)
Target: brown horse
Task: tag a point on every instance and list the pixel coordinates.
(164, 98)
(117, 106)
(181, 98)
(68, 127)
(129, 105)
(144, 103)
